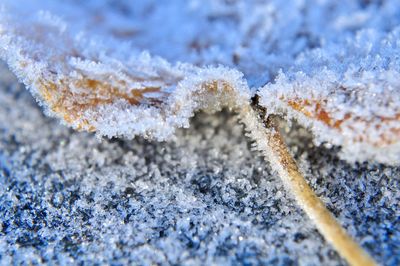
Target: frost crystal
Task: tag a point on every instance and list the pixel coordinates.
(116, 67)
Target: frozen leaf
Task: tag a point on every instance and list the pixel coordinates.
(115, 67)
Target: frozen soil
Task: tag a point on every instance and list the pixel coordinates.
(202, 198)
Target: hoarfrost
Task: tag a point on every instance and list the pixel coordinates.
(203, 198)
(144, 68)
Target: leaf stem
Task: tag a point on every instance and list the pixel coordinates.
(271, 143)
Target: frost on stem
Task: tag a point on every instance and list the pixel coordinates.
(265, 132)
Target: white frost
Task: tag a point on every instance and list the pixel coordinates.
(334, 67)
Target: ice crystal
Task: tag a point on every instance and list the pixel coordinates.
(347, 93)
(144, 68)
(203, 198)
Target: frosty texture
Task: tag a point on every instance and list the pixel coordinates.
(145, 68)
(203, 198)
(348, 94)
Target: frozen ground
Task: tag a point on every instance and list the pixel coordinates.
(203, 198)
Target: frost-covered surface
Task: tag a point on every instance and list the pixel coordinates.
(350, 89)
(144, 68)
(76, 60)
(140, 68)
(203, 198)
